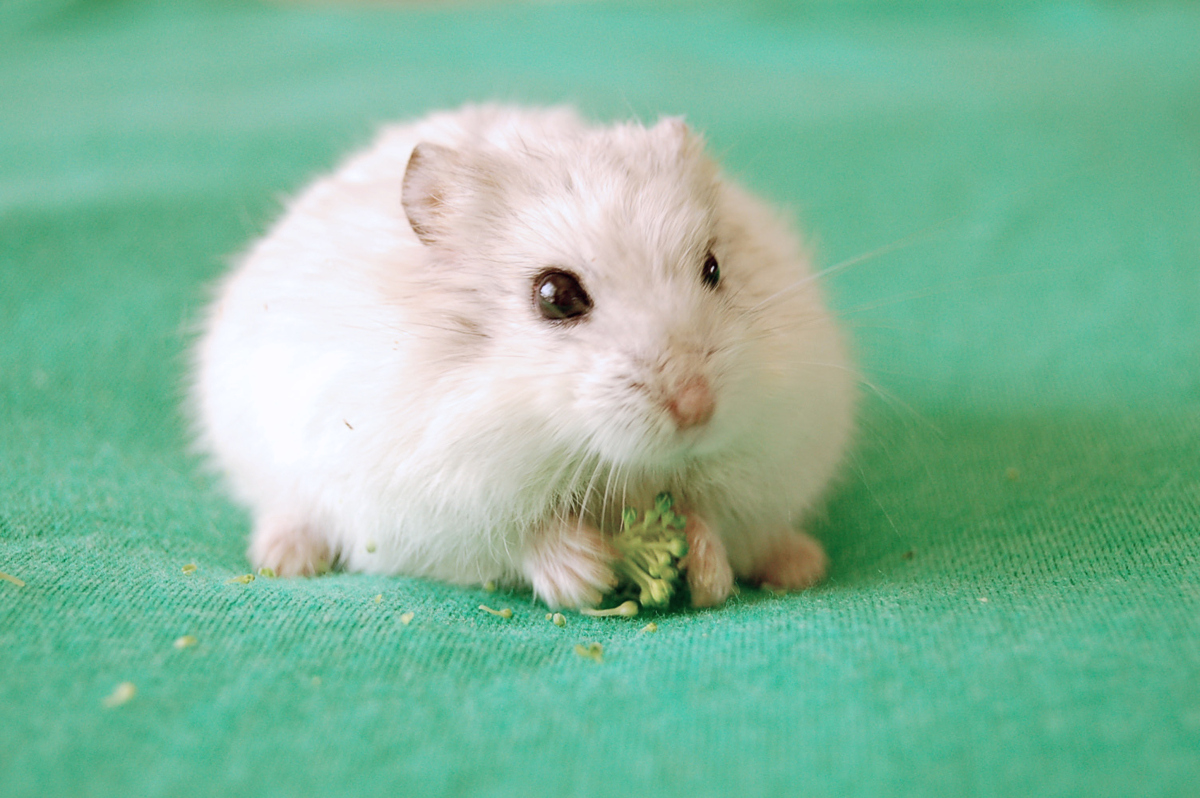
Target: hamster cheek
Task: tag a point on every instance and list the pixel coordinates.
(567, 564)
(793, 561)
(709, 576)
(287, 546)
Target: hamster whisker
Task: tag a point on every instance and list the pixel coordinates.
(474, 333)
(784, 328)
(554, 490)
(839, 267)
(875, 325)
(404, 332)
(613, 473)
(857, 466)
(858, 373)
(618, 477)
(591, 484)
(625, 491)
(570, 487)
(586, 460)
(947, 287)
(886, 396)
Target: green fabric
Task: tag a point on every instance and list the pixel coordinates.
(980, 634)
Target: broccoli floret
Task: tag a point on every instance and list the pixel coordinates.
(650, 553)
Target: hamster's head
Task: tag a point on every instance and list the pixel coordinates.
(617, 284)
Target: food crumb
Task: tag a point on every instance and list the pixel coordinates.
(504, 613)
(244, 579)
(650, 627)
(1012, 474)
(378, 598)
(590, 651)
(13, 579)
(190, 568)
(489, 586)
(187, 641)
(123, 693)
(908, 555)
(558, 619)
(370, 547)
(406, 618)
(983, 599)
(269, 573)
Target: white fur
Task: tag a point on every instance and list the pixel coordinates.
(380, 392)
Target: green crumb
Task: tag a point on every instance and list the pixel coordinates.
(269, 573)
(187, 641)
(370, 547)
(244, 579)
(650, 627)
(549, 616)
(651, 550)
(558, 619)
(406, 618)
(504, 613)
(13, 579)
(379, 598)
(489, 586)
(590, 651)
(190, 568)
(122, 694)
(626, 610)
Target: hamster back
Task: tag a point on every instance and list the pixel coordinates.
(461, 354)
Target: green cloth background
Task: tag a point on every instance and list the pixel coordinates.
(979, 634)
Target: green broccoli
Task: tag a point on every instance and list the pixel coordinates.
(650, 553)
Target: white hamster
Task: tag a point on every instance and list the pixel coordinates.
(462, 353)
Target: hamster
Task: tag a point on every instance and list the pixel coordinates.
(461, 354)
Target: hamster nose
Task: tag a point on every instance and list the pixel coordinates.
(692, 403)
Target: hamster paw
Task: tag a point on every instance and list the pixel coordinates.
(709, 576)
(568, 564)
(794, 562)
(287, 547)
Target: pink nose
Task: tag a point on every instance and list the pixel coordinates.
(692, 403)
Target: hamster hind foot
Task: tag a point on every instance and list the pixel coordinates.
(288, 547)
(795, 561)
(567, 563)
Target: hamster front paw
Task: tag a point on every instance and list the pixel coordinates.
(287, 547)
(795, 561)
(709, 576)
(568, 564)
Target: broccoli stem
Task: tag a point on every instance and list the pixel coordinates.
(626, 610)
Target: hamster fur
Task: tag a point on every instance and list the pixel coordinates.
(380, 382)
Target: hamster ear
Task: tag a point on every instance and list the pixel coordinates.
(674, 128)
(424, 193)
(677, 135)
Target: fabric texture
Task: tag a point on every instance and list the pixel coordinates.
(1012, 607)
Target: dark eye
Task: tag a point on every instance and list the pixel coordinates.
(710, 273)
(560, 296)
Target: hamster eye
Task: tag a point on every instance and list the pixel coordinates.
(710, 273)
(560, 296)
